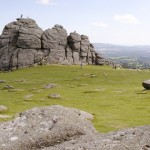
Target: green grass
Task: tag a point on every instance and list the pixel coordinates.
(115, 97)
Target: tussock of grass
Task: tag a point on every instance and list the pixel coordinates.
(115, 97)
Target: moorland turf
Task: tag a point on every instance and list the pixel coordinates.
(114, 96)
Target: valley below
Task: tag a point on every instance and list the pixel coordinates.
(134, 57)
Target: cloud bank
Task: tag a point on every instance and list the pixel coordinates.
(128, 18)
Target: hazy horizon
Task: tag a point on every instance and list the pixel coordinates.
(126, 45)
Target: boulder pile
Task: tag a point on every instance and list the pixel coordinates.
(61, 128)
(23, 44)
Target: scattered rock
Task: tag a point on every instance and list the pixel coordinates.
(28, 96)
(2, 81)
(49, 86)
(8, 87)
(61, 128)
(3, 108)
(146, 84)
(92, 75)
(54, 96)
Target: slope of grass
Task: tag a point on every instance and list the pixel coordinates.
(114, 97)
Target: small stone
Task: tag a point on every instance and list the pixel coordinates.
(49, 86)
(8, 87)
(54, 96)
(28, 96)
(3, 108)
(92, 75)
(2, 81)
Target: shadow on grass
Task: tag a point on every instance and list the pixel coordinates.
(93, 91)
(145, 91)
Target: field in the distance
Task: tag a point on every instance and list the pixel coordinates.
(115, 97)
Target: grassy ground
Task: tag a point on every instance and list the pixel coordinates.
(115, 97)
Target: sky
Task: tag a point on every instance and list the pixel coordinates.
(122, 22)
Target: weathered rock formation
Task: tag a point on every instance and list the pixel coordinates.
(60, 128)
(146, 84)
(24, 44)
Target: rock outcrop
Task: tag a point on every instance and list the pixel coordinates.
(60, 128)
(23, 44)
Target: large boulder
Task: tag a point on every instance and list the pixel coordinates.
(23, 33)
(80, 44)
(74, 40)
(85, 44)
(146, 84)
(44, 127)
(18, 44)
(55, 38)
(61, 128)
(29, 38)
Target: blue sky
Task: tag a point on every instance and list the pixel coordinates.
(125, 22)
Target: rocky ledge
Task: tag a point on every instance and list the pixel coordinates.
(60, 128)
(23, 44)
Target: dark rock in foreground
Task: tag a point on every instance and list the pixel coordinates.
(146, 84)
(24, 44)
(60, 128)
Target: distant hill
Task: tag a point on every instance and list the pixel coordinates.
(137, 55)
(116, 50)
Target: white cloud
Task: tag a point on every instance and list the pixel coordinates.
(46, 2)
(99, 24)
(128, 18)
